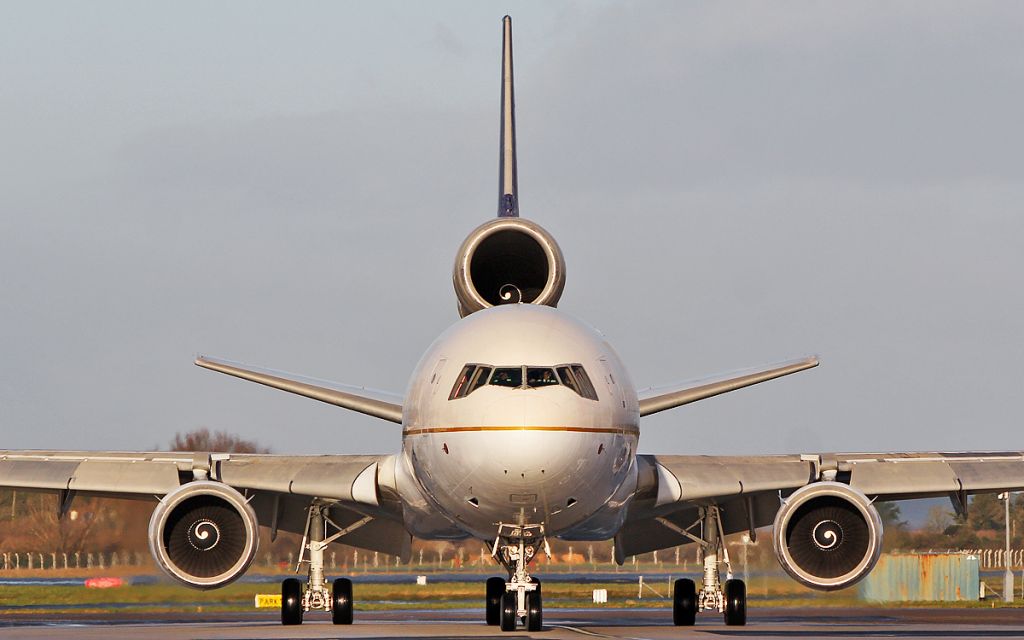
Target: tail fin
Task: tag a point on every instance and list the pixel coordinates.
(508, 188)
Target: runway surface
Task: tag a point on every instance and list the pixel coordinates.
(560, 624)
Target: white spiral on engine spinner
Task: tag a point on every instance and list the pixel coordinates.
(203, 531)
(828, 538)
(510, 293)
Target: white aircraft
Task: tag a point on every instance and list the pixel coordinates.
(520, 423)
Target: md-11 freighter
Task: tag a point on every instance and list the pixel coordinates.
(519, 424)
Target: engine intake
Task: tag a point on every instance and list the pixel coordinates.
(204, 534)
(508, 261)
(827, 535)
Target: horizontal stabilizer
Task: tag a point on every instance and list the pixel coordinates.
(379, 404)
(661, 398)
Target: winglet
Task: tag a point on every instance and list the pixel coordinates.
(508, 188)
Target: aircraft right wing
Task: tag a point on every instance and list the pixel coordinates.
(655, 399)
(379, 404)
(279, 488)
(749, 490)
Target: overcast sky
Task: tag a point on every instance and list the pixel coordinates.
(732, 183)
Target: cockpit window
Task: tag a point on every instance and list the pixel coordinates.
(566, 377)
(586, 388)
(540, 377)
(479, 378)
(508, 377)
(461, 388)
(474, 376)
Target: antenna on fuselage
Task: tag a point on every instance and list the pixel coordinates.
(508, 188)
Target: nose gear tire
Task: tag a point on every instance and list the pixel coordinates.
(534, 610)
(509, 608)
(495, 590)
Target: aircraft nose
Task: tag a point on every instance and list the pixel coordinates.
(532, 408)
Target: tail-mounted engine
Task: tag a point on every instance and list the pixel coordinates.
(203, 534)
(827, 535)
(508, 261)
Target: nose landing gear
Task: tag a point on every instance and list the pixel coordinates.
(517, 600)
(731, 601)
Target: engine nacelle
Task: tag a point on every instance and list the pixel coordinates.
(827, 535)
(203, 534)
(507, 261)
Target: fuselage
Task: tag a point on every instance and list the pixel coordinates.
(520, 413)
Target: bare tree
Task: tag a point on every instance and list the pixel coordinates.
(939, 519)
(74, 532)
(220, 441)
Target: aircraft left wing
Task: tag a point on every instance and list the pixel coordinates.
(749, 490)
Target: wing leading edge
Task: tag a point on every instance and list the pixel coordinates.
(379, 404)
(658, 399)
(749, 489)
(357, 488)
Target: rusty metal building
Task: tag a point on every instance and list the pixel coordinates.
(923, 577)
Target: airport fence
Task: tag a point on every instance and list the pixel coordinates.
(996, 558)
(354, 561)
(425, 560)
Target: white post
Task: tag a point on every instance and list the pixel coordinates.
(746, 545)
(1008, 577)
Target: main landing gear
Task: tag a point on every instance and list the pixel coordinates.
(730, 600)
(295, 601)
(518, 600)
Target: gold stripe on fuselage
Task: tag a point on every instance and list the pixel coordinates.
(618, 430)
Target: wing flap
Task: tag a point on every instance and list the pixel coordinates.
(702, 477)
(105, 476)
(32, 474)
(347, 478)
(922, 474)
(95, 471)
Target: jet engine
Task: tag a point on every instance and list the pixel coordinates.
(827, 535)
(203, 534)
(508, 261)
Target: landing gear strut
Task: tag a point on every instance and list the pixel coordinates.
(731, 601)
(519, 599)
(295, 601)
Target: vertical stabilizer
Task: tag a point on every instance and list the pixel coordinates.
(508, 188)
